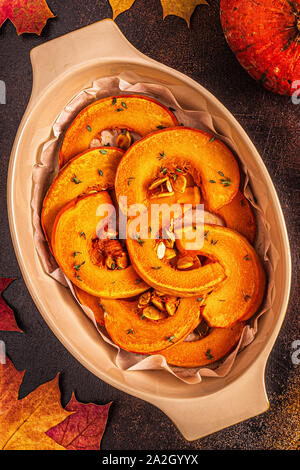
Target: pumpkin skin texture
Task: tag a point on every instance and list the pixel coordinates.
(181, 147)
(92, 303)
(162, 276)
(73, 232)
(139, 114)
(239, 216)
(240, 295)
(211, 348)
(265, 37)
(92, 170)
(128, 330)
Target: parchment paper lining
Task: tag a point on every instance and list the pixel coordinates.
(46, 168)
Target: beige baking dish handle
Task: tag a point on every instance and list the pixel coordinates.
(89, 45)
(197, 417)
(239, 401)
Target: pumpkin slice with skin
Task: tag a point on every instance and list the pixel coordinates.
(92, 170)
(73, 236)
(241, 294)
(127, 328)
(239, 216)
(161, 275)
(92, 302)
(210, 162)
(202, 352)
(136, 113)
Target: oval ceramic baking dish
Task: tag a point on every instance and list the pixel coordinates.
(61, 68)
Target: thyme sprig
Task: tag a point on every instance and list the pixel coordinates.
(130, 179)
(225, 181)
(170, 338)
(246, 296)
(209, 355)
(75, 180)
(138, 239)
(78, 266)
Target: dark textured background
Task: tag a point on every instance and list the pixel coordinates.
(271, 121)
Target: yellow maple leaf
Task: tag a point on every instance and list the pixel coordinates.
(24, 422)
(119, 6)
(184, 9)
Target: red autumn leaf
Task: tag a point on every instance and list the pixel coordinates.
(7, 318)
(83, 430)
(28, 16)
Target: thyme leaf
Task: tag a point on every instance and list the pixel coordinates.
(170, 338)
(75, 180)
(129, 180)
(209, 355)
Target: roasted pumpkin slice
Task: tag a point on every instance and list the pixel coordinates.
(171, 153)
(241, 294)
(93, 170)
(92, 302)
(239, 216)
(204, 351)
(136, 113)
(159, 272)
(84, 258)
(133, 332)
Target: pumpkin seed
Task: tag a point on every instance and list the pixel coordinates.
(179, 184)
(152, 313)
(161, 250)
(185, 262)
(169, 186)
(157, 302)
(123, 141)
(171, 305)
(144, 299)
(170, 253)
(110, 263)
(158, 182)
(122, 261)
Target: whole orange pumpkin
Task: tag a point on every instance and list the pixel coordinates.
(265, 37)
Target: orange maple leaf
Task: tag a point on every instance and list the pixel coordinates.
(28, 16)
(38, 421)
(24, 422)
(183, 9)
